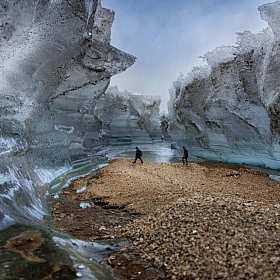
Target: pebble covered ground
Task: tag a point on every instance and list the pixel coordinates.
(200, 221)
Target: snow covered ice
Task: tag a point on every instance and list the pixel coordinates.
(228, 110)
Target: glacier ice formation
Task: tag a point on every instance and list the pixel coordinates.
(56, 64)
(229, 109)
(128, 118)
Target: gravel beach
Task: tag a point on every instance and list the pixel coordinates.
(198, 221)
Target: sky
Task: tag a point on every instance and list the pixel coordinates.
(168, 36)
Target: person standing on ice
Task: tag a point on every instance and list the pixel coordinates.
(185, 156)
(138, 155)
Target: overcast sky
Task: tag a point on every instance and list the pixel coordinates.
(168, 36)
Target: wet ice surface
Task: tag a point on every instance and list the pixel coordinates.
(88, 255)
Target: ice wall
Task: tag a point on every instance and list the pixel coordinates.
(229, 109)
(56, 63)
(128, 118)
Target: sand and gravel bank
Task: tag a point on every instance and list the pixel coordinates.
(201, 221)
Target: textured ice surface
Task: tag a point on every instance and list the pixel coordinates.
(128, 118)
(56, 64)
(229, 109)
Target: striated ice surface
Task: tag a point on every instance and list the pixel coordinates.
(128, 118)
(89, 4)
(56, 64)
(229, 109)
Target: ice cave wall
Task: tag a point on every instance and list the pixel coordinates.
(56, 64)
(229, 110)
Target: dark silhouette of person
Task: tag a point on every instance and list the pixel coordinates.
(138, 155)
(185, 156)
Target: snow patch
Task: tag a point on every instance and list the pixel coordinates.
(85, 205)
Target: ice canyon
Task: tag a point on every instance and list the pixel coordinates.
(229, 109)
(58, 113)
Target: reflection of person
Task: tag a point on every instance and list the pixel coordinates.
(138, 155)
(185, 155)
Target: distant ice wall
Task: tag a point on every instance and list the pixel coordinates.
(128, 118)
(229, 109)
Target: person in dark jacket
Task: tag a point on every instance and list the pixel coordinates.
(138, 155)
(185, 156)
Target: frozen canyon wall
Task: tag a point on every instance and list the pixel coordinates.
(229, 110)
(128, 118)
(56, 64)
